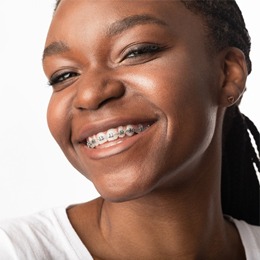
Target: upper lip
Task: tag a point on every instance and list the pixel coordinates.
(96, 127)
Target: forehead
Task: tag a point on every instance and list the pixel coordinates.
(117, 5)
(81, 22)
(101, 13)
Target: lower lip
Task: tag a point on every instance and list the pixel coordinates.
(116, 147)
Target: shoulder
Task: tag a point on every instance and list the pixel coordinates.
(36, 225)
(250, 237)
(44, 235)
(27, 236)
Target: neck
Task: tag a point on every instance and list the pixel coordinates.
(189, 223)
(166, 224)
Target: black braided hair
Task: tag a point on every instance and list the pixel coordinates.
(240, 162)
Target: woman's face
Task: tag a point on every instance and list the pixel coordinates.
(139, 74)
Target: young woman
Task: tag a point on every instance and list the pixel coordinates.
(145, 105)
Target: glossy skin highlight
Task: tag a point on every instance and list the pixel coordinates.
(112, 63)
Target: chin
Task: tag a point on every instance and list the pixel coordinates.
(121, 194)
(123, 191)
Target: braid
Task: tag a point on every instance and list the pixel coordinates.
(240, 185)
(253, 130)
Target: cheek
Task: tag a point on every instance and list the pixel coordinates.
(187, 97)
(189, 89)
(58, 117)
(192, 116)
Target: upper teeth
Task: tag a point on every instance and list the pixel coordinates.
(113, 134)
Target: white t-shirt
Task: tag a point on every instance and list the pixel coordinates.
(49, 235)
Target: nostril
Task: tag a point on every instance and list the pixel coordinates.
(94, 96)
(114, 92)
(103, 103)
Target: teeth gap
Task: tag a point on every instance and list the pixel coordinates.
(114, 134)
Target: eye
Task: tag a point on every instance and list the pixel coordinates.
(141, 51)
(62, 77)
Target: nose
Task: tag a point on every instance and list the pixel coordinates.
(97, 88)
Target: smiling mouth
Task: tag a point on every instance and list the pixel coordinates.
(113, 134)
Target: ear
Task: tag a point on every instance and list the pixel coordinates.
(235, 75)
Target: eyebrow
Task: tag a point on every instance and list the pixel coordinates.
(55, 48)
(114, 29)
(120, 26)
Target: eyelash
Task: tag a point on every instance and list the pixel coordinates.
(56, 79)
(143, 50)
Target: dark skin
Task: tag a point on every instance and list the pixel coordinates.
(160, 189)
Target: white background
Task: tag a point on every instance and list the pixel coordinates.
(34, 173)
